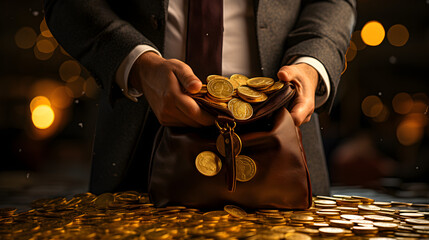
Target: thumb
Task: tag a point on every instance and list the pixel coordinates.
(187, 79)
(285, 75)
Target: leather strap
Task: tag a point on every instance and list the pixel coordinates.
(230, 160)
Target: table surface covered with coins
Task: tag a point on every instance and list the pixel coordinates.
(131, 215)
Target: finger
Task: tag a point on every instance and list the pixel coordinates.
(286, 74)
(187, 78)
(187, 106)
(190, 108)
(301, 111)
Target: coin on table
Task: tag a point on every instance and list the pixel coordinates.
(379, 218)
(235, 211)
(386, 226)
(104, 200)
(417, 221)
(297, 236)
(412, 215)
(352, 217)
(239, 109)
(364, 230)
(341, 223)
(260, 82)
(248, 93)
(220, 88)
(220, 144)
(331, 231)
(245, 168)
(208, 163)
(325, 202)
(365, 207)
(241, 79)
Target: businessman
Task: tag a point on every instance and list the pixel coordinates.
(144, 52)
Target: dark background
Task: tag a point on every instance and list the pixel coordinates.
(387, 151)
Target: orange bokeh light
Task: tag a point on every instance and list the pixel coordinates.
(42, 116)
(372, 33)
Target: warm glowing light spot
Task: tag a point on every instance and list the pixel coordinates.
(44, 30)
(45, 46)
(90, 87)
(39, 100)
(356, 38)
(372, 33)
(402, 103)
(372, 106)
(398, 35)
(61, 97)
(42, 116)
(70, 71)
(409, 132)
(351, 52)
(76, 87)
(41, 55)
(25, 37)
(383, 115)
(419, 106)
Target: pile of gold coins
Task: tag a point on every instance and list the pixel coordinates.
(235, 94)
(130, 215)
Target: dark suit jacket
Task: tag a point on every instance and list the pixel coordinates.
(101, 33)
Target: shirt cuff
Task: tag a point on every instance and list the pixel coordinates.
(324, 86)
(124, 70)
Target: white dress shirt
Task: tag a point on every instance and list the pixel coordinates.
(239, 49)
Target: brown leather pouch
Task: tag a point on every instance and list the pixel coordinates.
(270, 138)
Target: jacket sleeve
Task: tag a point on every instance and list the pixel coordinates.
(92, 33)
(323, 31)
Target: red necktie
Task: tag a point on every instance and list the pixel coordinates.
(204, 37)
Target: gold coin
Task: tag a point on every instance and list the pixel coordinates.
(245, 169)
(248, 93)
(220, 144)
(211, 103)
(368, 207)
(234, 83)
(273, 88)
(235, 211)
(297, 236)
(260, 82)
(208, 163)
(283, 229)
(220, 88)
(258, 100)
(378, 218)
(331, 231)
(387, 226)
(417, 221)
(240, 110)
(340, 223)
(211, 77)
(241, 79)
(104, 200)
(217, 100)
(364, 229)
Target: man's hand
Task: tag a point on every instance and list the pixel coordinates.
(162, 81)
(305, 79)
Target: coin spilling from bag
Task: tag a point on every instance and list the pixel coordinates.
(209, 164)
(236, 94)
